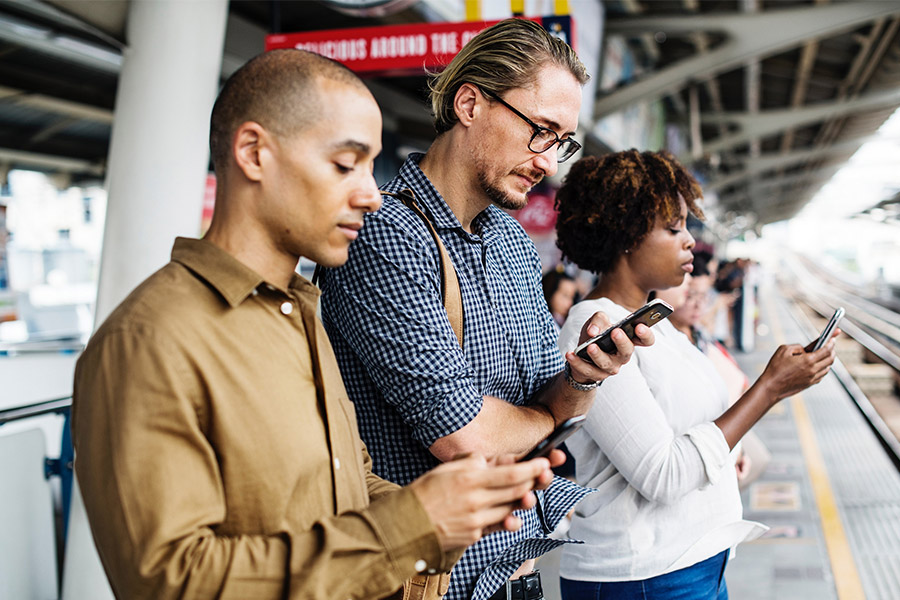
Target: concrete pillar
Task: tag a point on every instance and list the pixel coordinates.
(159, 150)
(157, 171)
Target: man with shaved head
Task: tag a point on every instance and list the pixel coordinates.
(217, 452)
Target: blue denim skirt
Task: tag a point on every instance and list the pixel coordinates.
(702, 581)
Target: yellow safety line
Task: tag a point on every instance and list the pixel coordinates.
(843, 565)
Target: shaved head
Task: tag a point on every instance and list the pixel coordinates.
(279, 90)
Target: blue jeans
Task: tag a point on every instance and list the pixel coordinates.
(702, 581)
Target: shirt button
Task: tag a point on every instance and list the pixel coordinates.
(420, 565)
(337, 463)
(431, 571)
(287, 308)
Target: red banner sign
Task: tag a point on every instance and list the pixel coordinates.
(400, 49)
(538, 217)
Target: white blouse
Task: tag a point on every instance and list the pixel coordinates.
(668, 494)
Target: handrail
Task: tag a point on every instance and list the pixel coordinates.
(33, 410)
(882, 431)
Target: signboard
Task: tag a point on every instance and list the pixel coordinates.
(401, 49)
(209, 203)
(538, 217)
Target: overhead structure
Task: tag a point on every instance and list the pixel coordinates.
(771, 96)
(775, 95)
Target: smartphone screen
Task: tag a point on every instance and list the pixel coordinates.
(557, 437)
(650, 314)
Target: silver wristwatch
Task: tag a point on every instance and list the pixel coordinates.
(581, 387)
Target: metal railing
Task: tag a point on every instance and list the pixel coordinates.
(824, 303)
(56, 406)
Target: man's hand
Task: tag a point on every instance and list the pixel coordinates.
(469, 497)
(603, 365)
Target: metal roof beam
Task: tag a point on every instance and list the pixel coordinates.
(774, 160)
(43, 161)
(801, 83)
(749, 36)
(770, 122)
(56, 105)
(45, 39)
(763, 201)
(793, 179)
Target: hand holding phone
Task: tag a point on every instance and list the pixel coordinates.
(829, 329)
(557, 437)
(650, 314)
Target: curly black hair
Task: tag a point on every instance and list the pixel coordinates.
(609, 204)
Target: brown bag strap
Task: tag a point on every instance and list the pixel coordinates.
(423, 587)
(450, 292)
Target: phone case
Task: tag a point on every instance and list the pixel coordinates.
(557, 437)
(650, 314)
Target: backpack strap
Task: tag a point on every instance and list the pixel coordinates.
(450, 291)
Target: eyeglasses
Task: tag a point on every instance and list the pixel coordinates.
(543, 138)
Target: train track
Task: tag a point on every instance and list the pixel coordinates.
(870, 325)
(874, 326)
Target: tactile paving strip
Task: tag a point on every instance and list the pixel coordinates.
(865, 484)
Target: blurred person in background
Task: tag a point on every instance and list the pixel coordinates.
(657, 443)
(729, 284)
(560, 292)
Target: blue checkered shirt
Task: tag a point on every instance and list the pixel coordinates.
(402, 365)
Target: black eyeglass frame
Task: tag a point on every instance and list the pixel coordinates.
(568, 146)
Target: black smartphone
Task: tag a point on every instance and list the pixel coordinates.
(557, 437)
(650, 314)
(829, 329)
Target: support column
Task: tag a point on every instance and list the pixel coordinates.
(158, 162)
(159, 151)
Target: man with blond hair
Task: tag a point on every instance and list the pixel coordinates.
(505, 110)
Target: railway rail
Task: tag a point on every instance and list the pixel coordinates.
(873, 327)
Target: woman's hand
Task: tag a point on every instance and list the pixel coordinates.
(792, 369)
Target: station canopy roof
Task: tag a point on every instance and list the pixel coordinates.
(773, 96)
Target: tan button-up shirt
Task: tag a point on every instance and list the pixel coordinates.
(217, 452)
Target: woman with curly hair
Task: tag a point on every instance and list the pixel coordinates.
(657, 442)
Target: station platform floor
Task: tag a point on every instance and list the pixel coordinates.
(830, 494)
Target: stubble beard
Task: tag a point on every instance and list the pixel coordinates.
(497, 195)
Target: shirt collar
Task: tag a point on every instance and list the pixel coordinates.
(486, 223)
(428, 198)
(234, 280)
